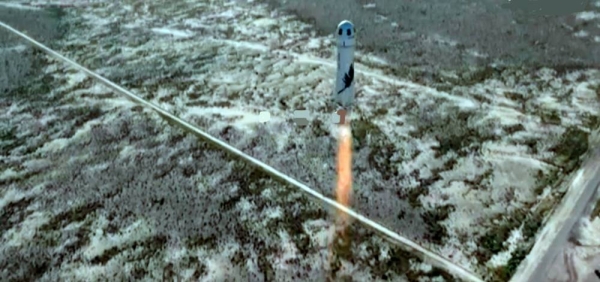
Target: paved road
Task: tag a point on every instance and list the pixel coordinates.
(456, 33)
(555, 240)
(16, 58)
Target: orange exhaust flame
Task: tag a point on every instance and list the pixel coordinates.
(344, 173)
(343, 189)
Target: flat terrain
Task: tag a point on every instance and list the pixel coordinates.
(422, 37)
(94, 187)
(18, 61)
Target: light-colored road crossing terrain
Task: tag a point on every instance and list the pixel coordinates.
(94, 187)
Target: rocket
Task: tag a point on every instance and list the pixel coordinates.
(343, 94)
(344, 97)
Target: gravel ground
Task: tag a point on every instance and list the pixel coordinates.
(94, 187)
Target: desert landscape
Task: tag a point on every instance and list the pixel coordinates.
(94, 187)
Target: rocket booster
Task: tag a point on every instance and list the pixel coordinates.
(344, 85)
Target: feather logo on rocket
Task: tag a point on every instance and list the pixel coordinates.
(348, 79)
(344, 91)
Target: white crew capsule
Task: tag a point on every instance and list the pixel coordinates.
(344, 85)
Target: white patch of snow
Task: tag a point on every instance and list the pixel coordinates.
(100, 242)
(502, 258)
(195, 24)
(174, 32)
(265, 22)
(26, 230)
(581, 34)
(18, 48)
(588, 16)
(9, 174)
(370, 6)
(18, 6)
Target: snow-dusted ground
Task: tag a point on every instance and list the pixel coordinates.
(96, 186)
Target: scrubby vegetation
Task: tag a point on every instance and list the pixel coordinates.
(99, 188)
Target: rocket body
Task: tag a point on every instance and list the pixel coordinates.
(343, 94)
